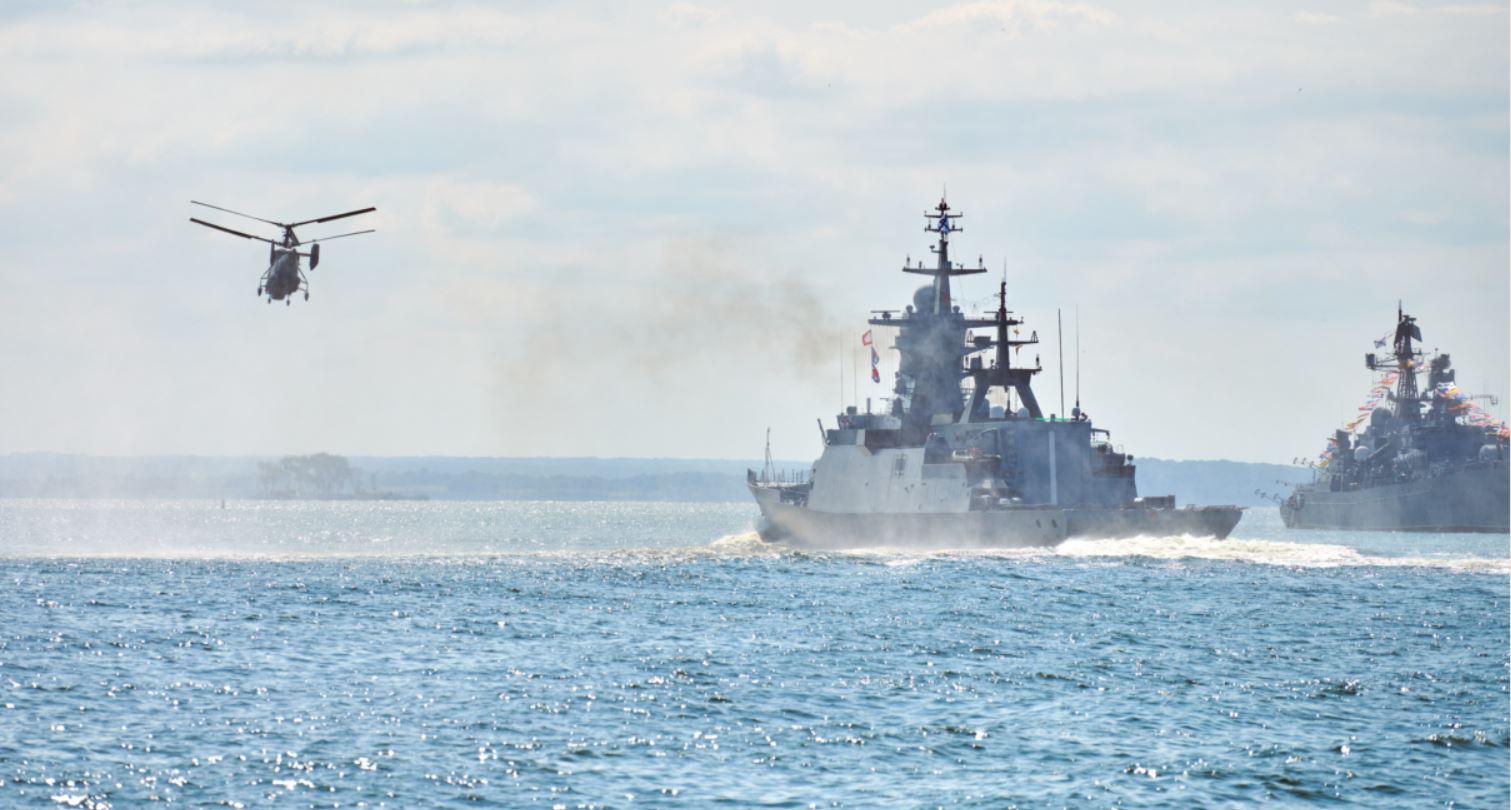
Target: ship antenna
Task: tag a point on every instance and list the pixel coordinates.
(767, 471)
(1003, 350)
(1060, 339)
(841, 379)
(1004, 358)
(1078, 360)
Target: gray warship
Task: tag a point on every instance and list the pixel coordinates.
(944, 468)
(1429, 459)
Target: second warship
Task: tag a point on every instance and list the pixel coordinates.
(1426, 459)
(945, 468)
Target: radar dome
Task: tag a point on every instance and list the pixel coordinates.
(924, 299)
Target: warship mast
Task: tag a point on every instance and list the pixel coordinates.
(1406, 386)
(1407, 398)
(933, 348)
(943, 224)
(1002, 374)
(931, 337)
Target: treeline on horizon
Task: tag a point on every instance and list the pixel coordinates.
(324, 476)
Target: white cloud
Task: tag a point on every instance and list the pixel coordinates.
(1387, 8)
(1473, 9)
(532, 167)
(1010, 15)
(1317, 18)
(179, 32)
(455, 204)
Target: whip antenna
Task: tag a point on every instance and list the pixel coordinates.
(1060, 339)
(1078, 359)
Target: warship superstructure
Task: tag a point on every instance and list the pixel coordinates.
(1426, 459)
(943, 467)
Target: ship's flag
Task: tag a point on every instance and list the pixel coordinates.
(875, 360)
(865, 339)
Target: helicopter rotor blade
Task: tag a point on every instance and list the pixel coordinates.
(239, 214)
(232, 232)
(337, 236)
(333, 216)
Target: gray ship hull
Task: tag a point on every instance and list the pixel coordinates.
(1022, 527)
(1470, 499)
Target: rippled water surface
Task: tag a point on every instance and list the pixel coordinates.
(612, 655)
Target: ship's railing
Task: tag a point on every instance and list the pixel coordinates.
(779, 477)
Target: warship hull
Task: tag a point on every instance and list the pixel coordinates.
(1469, 499)
(1021, 527)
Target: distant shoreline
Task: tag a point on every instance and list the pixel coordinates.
(448, 478)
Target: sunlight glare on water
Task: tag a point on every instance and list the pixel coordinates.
(616, 654)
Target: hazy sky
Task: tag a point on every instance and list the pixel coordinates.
(652, 229)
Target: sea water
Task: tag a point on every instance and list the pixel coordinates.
(576, 655)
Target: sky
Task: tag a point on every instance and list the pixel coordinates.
(656, 229)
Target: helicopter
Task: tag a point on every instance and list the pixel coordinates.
(284, 278)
